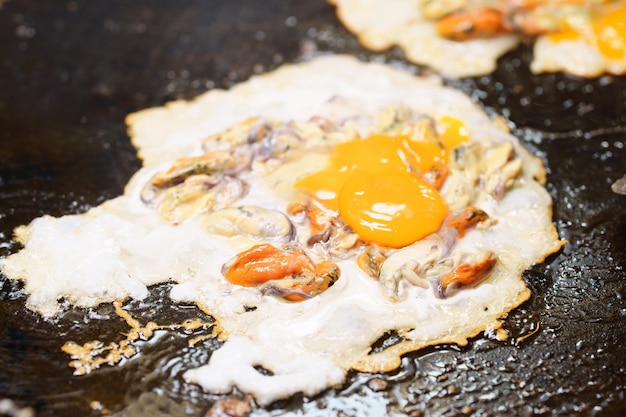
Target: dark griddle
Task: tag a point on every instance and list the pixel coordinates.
(71, 70)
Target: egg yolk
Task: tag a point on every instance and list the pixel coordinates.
(374, 184)
(452, 133)
(610, 32)
(607, 32)
(392, 209)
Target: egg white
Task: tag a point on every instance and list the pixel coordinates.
(115, 250)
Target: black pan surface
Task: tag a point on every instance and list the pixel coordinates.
(70, 71)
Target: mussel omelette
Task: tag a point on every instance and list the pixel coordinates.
(310, 210)
(463, 38)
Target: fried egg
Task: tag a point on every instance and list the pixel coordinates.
(310, 211)
(366, 182)
(381, 25)
(586, 40)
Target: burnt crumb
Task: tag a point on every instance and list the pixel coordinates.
(10, 409)
(377, 384)
(232, 407)
(619, 186)
(467, 409)
(263, 371)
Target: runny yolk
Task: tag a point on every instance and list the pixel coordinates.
(610, 32)
(607, 32)
(393, 208)
(375, 186)
(452, 132)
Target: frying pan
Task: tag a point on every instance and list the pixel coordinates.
(71, 70)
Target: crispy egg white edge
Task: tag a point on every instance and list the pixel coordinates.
(576, 57)
(117, 249)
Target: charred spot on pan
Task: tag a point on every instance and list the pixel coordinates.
(10, 289)
(10, 244)
(159, 304)
(387, 340)
(263, 371)
(537, 280)
(294, 402)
